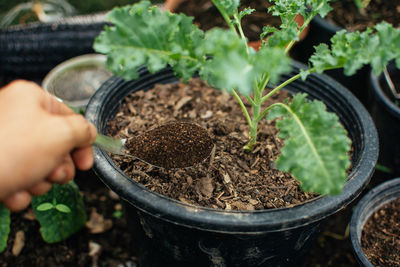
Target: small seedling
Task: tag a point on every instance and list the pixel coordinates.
(316, 149)
(46, 206)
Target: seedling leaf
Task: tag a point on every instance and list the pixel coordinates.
(316, 145)
(45, 206)
(63, 208)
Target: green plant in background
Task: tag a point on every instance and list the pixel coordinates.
(316, 149)
(5, 222)
(361, 4)
(60, 212)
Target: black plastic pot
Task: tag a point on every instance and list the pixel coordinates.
(386, 115)
(371, 202)
(321, 31)
(170, 233)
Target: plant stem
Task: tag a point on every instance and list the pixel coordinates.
(224, 15)
(257, 101)
(242, 106)
(292, 79)
(241, 33)
(276, 89)
(302, 27)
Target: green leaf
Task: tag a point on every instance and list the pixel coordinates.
(231, 67)
(353, 50)
(245, 12)
(319, 7)
(228, 7)
(316, 145)
(287, 11)
(63, 208)
(5, 222)
(56, 226)
(45, 206)
(144, 35)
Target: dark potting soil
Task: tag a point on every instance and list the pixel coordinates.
(346, 14)
(207, 16)
(172, 145)
(230, 178)
(380, 238)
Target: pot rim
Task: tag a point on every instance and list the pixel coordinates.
(371, 202)
(281, 219)
(327, 25)
(95, 61)
(380, 95)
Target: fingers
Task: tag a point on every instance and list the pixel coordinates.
(63, 173)
(18, 201)
(51, 104)
(78, 132)
(38, 96)
(83, 158)
(40, 188)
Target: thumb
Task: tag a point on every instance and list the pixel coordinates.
(77, 131)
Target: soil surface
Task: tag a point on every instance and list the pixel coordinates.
(207, 16)
(230, 178)
(346, 14)
(380, 238)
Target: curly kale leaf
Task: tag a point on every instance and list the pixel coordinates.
(287, 11)
(228, 7)
(144, 35)
(231, 67)
(316, 145)
(353, 50)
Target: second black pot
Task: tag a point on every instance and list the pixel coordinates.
(371, 202)
(386, 114)
(167, 232)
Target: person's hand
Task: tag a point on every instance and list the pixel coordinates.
(41, 142)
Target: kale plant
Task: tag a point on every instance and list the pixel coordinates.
(316, 144)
